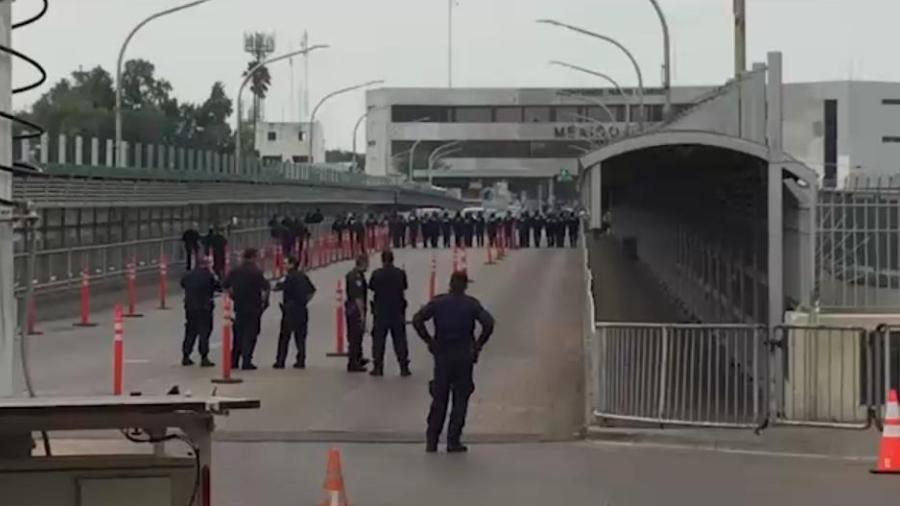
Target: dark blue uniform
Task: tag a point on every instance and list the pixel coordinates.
(455, 351)
(250, 291)
(297, 290)
(389, 286)
(357, 290)
(200, 285)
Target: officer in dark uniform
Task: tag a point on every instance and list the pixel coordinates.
(371, 225)
(355, 313)
(550, 227)
(537, 229)
(389, 286)
(200, 286)
(574, 228)
(401, 230)
(479, 229)
(525, 230)
(455, 351)
(191, 240)
(459, 226)
(297, 291)
(469, 230)
(413, 226)
(394, 229)
(359, 231)
(338, 228)
(216, 244)
(446, 225)
(250, 291)
(561, 225)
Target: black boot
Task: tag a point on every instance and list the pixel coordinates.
(377, 370)
(457, 447)
(404, 370)
(186, 361)
(206, 362)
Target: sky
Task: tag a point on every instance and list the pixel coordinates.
(496, 44)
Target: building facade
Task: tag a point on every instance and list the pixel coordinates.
(847, 131)
(288, 142)
(530, 139)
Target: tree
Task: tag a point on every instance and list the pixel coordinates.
(259, 86)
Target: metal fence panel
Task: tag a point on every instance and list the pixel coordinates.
(707, 375)
(826, 376)
(887, 362)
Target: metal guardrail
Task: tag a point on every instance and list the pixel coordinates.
(736, 376)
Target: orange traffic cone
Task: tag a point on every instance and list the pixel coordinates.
(889, 458)
(334, 481)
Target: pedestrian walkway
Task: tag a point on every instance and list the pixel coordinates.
(529, 382)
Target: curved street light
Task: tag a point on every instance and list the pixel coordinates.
(119, 161)
(312, 117)
(637, 68)
(667, 70)
(601, 75)
(443, 149)
(247, 77)
(598, 103)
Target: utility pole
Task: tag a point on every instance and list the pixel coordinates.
(740, 37)
(7, 298)
(305, 46)
(450, 43)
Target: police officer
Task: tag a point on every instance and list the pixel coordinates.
(446, 225)
(355, 313)
(250, 291)
(493, 224)
(550, 227)
(191, 240)
(338, 227)
(413, 225)
(561, 225)
(389, 286)
(537, 228)
(371, 225)
(459, 227)
(394, 229)
(479, 229)
(525, 231)
(574, 226)
(200, 286)
(298, 290)
(216, 243)
(455, 352)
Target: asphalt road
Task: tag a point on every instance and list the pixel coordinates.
(577, 473)
(529, 381)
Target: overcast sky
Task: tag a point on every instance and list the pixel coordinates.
(496, 43)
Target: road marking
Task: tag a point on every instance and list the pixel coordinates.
(735, 451)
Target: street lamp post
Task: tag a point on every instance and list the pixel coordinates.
(637, 68)
(119, 161)
(447, 148)
(667, 55)
(312, 117)
(602, 76)
(247, 78)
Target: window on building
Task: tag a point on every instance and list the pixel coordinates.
(473, 115)
(300, 135)
(890, 101)
(421, 113)
(508, 114)
(272, 136)
(537, 114)
(269, 160)
(598, 113)
(567, 114)
(890, 138)
(300, 159)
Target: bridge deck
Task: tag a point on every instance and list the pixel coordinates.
(529, 382)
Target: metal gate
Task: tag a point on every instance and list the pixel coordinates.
(823, 376)
(705, 375)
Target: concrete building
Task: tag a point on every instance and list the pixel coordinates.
(529, 138)
(288, 142)
(847, 131)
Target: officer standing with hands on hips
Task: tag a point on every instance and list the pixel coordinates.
(200, 286)
(297, 290)
(355, 313)
(455, 350)
(389, 286)
(250, 291)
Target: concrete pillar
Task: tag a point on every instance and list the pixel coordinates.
(151, 156)
(161, 159)
(181, 162)
(123, 160)
(208, 161)
(61, 149)
(190, 159)
(775, 139)
(108, 155)
(596, 194)
(551, 191)
(79, 150)
(8, 342)
(26, 149)
(172, 161)
(95, 151)
(45, 148)
(138, 155)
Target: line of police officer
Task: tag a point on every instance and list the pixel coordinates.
(453, 343)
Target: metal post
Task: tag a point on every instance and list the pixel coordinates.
(601, 75)
(119, 61)
(740, 37)
(7, 291)
(312, 117)
(775, 190)
(412, 159)
(450, 43)
(596, 187)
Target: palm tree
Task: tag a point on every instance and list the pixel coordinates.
(259, 86)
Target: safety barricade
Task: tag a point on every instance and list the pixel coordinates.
(701, 375)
